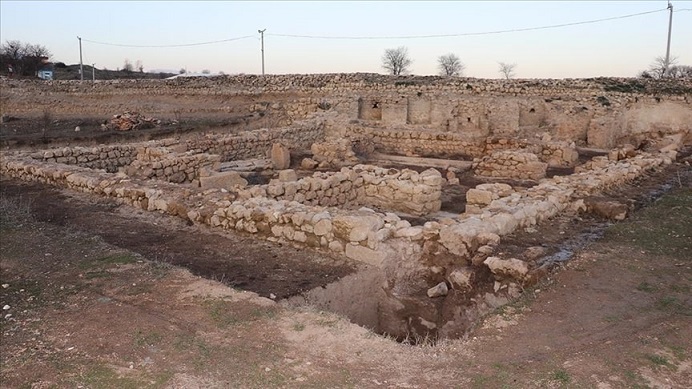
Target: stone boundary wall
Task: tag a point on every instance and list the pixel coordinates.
(362, 185)
(256, 144)
(254, 84)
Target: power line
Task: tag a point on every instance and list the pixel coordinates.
(470, 33)
(391, 37)
(178, 45)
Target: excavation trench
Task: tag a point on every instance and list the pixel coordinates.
(297, 277)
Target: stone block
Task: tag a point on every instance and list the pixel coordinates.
(364, 254)
(511, 267)
(288, 175)
(478, 196)
(280, 156)
(223, 180)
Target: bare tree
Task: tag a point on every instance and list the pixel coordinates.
(507, 69)
(127, 66)
(659, 68)
(24, 58)
(139, 66)
(680, 71)
(396, 61)
(182, 71)
(450, 65)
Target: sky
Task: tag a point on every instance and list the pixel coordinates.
(619, 47)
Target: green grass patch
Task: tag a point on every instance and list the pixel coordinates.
(108, 261)
(147, 338)
(101, 376)
(657, 360)
(646, 287)
(226, 314)
(664, 228)
(672, 305)
(97, 274)
(634, 380)
(561, 376)
(14, 212)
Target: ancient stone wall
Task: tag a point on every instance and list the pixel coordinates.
(600, 113)
(362, 185)
(256, 144)
(510, 164)
(106, 157)
(334, 153)
(413, 258)
(160, 163)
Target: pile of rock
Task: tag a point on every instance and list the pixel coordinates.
(128, 121)
(510, 164)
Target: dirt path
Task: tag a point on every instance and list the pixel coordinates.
(84, 311)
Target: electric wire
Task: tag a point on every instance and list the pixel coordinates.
(392, 37)
(467, 33)
(176, 45)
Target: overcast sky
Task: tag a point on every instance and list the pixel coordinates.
(620, 47)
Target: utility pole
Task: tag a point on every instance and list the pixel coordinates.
(81, 65)
(262, 35)
(93, 73)
(670, 28)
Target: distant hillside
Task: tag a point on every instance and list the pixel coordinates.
(71, 72)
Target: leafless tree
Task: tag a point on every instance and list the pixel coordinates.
(24, 58)
(450, 65)
(139, 66)
(507, 70)
(127, 66)
(396, 61)
(680, 71)
(182, 71)
(659, 68)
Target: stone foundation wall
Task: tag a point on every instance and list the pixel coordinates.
(334, 153)
(413, 258)
(362, 185)
(510, 164)
(160, 163)
(108, 158)
(256, 144)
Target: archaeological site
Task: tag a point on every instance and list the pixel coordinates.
(417, 183)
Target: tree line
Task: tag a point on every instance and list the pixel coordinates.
(25, 59)
(396, 61)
